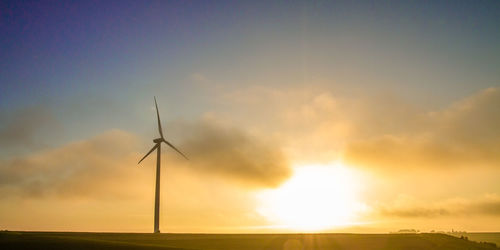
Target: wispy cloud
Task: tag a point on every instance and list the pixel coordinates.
(409, 207)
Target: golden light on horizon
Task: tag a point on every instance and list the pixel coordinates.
(315, 198)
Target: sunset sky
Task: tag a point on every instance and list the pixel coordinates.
(297, 116)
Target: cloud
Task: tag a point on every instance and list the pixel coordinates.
(380, 132)
(218, 149)
(97, 183)
(81, 169)
(313, 122)
(490, 206)
(20, 127)
(465, 134)
(408, 207)
(98, 167)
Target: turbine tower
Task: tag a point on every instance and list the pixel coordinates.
(157, 147)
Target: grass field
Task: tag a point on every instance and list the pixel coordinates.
(52, 240)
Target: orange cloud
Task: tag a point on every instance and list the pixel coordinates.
(409, 207)
(465, 134)
(98, 167)
(89, 168)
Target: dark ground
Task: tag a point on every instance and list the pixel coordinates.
(485, 236)
(52, 240)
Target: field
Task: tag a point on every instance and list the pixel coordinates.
(486, 237)
(66, 240)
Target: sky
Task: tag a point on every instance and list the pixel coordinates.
(296, 116)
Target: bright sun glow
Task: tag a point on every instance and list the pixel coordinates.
(317, 197)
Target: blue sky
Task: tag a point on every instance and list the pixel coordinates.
(64, 53)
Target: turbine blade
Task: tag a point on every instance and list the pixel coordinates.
(172, 146)
(155, 147)
(158, 116)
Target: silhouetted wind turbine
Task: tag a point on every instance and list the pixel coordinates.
(157, 146)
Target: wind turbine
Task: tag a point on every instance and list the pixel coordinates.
(157, 147)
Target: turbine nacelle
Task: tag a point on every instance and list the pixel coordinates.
(158, 141)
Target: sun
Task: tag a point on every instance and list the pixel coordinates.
(315, 198)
